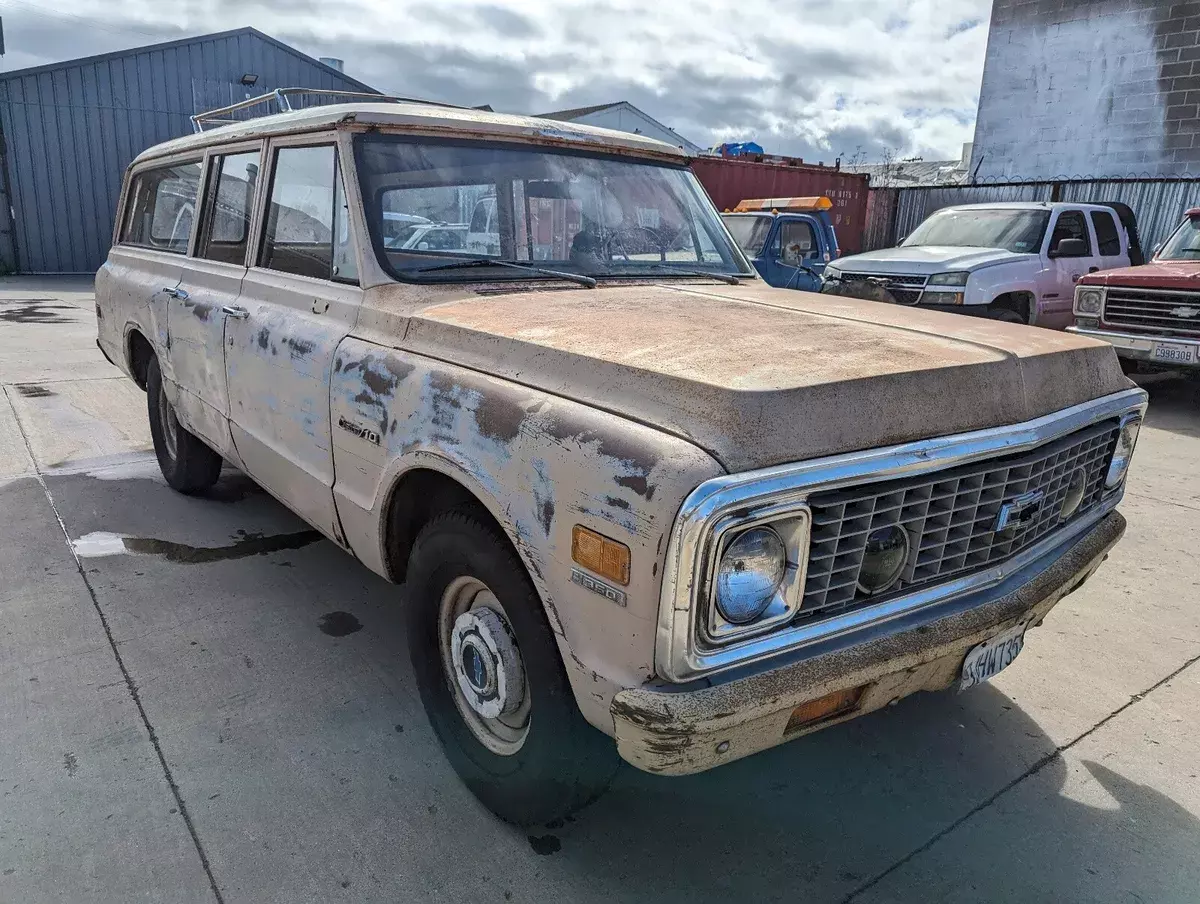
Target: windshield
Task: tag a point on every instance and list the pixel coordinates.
(749, 230)
(1184, 243)
(1019, 231)
(590, 215)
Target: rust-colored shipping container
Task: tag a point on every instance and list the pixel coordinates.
(729, 180)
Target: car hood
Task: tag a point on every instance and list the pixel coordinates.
(759, 376)
(925, 259)
(1154, 275)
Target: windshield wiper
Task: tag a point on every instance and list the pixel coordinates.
(727, 278)
(490, 262)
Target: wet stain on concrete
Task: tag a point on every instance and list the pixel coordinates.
(34, 312)
(339, 624)
(264, 338)
(33, 391)
(71, 763)
(545, 844)
(246, 544)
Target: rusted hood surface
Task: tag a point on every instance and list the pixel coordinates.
(759, 376)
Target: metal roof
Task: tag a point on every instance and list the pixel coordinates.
(424, 119)
(579, 111)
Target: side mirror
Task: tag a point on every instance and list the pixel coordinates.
(1157, 248)
(1070, 248)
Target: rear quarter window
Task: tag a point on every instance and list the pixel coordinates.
(161, 207)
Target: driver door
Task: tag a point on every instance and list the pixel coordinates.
(1058, 292)
(795, 255)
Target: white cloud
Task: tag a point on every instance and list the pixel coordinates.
(810, 77)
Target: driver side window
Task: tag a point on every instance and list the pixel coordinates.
(799, 242)
(1071, 225)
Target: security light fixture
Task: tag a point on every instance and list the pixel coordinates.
(249, 79)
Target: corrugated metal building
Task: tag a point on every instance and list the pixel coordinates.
(71, 128)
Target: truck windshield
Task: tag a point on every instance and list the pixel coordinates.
(749, 230)
(1019, 231)
(593, 215)
(1184, 243)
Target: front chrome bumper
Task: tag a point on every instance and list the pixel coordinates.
(1137, 347)
(678, 731)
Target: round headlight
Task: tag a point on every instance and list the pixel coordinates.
(1075, 490)
(750, 572)
(1126, 440)
(884, 558)
(1089, 301)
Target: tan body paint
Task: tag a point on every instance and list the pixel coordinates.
(555, 405)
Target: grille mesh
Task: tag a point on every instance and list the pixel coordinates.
(949, 516)
(1174, 313)
(905, 289)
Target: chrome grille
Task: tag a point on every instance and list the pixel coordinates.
(1156, 310)
(949, 516)
(905, 289)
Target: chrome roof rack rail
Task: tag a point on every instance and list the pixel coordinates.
(282, 98)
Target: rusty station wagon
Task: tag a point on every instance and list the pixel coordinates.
(636, 495)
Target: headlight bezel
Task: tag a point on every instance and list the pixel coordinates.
(954, 278)
(1097, 292)
(793, 525)
(1128, 422)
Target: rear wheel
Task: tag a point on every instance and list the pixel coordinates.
(491, 680)
(187, 463)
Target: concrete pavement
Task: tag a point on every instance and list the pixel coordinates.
(239, 723)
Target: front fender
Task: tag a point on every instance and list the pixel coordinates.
(540, 464)
(989, 283)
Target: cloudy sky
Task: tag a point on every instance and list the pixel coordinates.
(811, 78)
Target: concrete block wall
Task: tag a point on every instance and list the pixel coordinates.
(1090, 88)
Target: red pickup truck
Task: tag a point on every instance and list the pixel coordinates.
(1149, 313)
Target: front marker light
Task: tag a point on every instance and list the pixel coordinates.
(751, 570)
(1126, 440)
(1088, 301)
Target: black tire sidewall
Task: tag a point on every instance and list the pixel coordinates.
(194, 466)
(564, 762)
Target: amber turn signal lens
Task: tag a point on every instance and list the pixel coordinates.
(597, 553)
(835, 704)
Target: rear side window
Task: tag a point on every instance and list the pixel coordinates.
(161, 206)
(228, 201)
(1107, 236)
(307, 228)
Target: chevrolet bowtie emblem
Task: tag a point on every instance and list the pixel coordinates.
(1184, 311)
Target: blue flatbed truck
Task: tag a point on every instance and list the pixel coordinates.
(789, 240)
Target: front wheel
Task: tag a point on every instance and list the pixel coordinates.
(1006, 315)
(491, 680)
(187, 463)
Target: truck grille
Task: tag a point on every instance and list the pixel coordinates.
(950, 517)
(905, 289)
(1154, 310)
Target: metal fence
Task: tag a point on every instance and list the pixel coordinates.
(1159, 204)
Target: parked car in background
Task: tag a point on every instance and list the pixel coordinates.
(435, 237)
(1150, 314)
(1014, 261)
(789, 240)
(643, 504)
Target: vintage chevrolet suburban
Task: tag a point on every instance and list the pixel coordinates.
(634, 494)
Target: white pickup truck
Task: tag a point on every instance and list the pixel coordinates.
(1013, 261)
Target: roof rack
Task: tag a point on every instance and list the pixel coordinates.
(282, 97)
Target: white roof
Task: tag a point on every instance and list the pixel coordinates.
(426, 119)
(1028, 205)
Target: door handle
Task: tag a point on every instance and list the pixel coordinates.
(175, 292)
(234, 311)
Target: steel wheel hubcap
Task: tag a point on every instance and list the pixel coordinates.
(483, 666)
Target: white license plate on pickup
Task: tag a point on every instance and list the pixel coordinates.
(1174, 354)
(988, 658)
